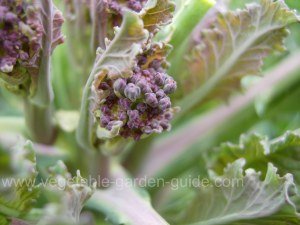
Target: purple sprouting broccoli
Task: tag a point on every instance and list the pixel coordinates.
(23, 43)
(141, 102)
(20, 35)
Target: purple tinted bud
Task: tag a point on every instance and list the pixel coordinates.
(159, 79)
(132, 92)
(146, 73)
(165, 125)
(155, 88)
(156, 64)
(111, 98)
(105, 109)
(142, 60)
(160, 94)
(104, 86)
(142, 107)
(24, 55)
(10, 18)
(134, 121)
(155, 124)
(114, 6)
(110, 125)
(122, 116)
(144, 86)
(135, 5)
(148, 130)
(170, 86)
(125, 103)
(104, 120)
(164, 103)
(133, 114)
(119, 85)
(168, 116)
(135, 78)
(3, 11)
(151, 99)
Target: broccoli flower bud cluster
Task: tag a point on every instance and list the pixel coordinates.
(20, 35)
(116, 5)
(139, 105)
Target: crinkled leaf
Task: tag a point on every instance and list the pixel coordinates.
(157, 13)
(12, 83)
(283, 152)
(280, 218)
(116, 61)
(18, 191)
(240, 195)
(71, 194)
(232, 46)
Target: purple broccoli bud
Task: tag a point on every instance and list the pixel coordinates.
(104, 86)
(144, 86)
(160, 94)
(151, 99)
(170, 86)
(104, 120)
(116, 5)
(160, 79)
(164, 103)
(119, 85)
(141, 107)
(140, 102)
(125, 103)
(132, 92)
(135, 5)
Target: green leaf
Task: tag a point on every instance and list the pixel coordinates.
(283, 152)
(3, 220)
(116, 61)
(240, 195)
(232, 46)
(70, 194)
(18, 191)
(157, 13)
(13, 82)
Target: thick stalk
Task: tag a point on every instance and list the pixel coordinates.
(124, 203)
(43, 95)
(99, 31)
(39, 121)
(38, 109)
(98, 166)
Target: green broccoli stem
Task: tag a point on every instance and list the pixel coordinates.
(39, 120)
